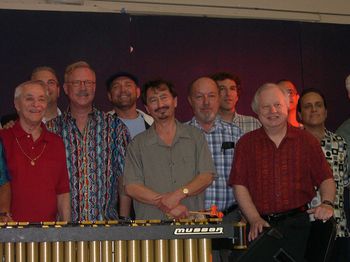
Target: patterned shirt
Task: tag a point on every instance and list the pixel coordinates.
(95, 160)
(279, 178)
(221, 139)
(3, 168)
(335, 150)
(246, 123)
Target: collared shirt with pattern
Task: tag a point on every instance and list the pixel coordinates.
(219, 193)
(95, 160)
(246, 123)
(334, 148)
(279, 178)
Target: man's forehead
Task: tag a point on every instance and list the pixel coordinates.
(29, 90)
(123, 78)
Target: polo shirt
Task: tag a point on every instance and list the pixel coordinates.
(34, 188)
(162, 168)
(283, 178)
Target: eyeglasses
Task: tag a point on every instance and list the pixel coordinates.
(77, 83)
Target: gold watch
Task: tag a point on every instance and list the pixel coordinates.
(185, 191)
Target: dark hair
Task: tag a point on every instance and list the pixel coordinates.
(311, 90)
(221, 76)
(155, 84)
(113, 77)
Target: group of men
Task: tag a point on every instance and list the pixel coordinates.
(166, 168)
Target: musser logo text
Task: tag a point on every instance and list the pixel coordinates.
(198, 230)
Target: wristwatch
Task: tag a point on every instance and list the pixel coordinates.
(185, 191)
(327, 202)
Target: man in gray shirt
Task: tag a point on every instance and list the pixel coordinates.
(169, 165)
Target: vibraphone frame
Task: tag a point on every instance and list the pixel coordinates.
(128, 240)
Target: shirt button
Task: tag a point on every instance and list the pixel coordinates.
(33, 147)
(28, 136)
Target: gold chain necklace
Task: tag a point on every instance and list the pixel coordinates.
(32, 160)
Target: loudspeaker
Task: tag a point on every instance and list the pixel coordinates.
(266, 248)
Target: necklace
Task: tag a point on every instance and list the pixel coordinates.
(32, 160)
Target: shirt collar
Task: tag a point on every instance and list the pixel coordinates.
(153, 138)
(292, 132)
(216, 127)
(19, 132)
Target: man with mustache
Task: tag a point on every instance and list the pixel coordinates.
(203, 96)
(96, 145)
(312, 111)
(230, 91)
(274, 174)
(123, 92)
(169, 165)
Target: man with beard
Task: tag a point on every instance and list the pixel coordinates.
(274, 174)
(123, 92)
(203, 96)
(169, 165)
(230, 91)
(95, 145)
(293, 101)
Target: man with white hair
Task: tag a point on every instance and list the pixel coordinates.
(36, 160)
(274, 172)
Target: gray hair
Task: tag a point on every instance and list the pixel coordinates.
(19, 89)
(80, 64)
(255, 102)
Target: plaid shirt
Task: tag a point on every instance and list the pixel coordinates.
(246, 123)
(219, 139)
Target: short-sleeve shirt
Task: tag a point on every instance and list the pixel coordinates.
(162, 168)
(334, 148)
(95, 160)
(279, 178)
(34, 188)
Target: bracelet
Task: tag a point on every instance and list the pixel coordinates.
(327, 202)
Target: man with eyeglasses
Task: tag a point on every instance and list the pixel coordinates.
(48, 76)
(293, 101)
(95, 145)
(230, 90)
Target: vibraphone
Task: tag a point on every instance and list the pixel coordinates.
(118, 241)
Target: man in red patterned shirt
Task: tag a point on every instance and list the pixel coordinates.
(274, 172)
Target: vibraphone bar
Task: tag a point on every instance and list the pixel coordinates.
(118, 241)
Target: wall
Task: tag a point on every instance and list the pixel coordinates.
(179, 49)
